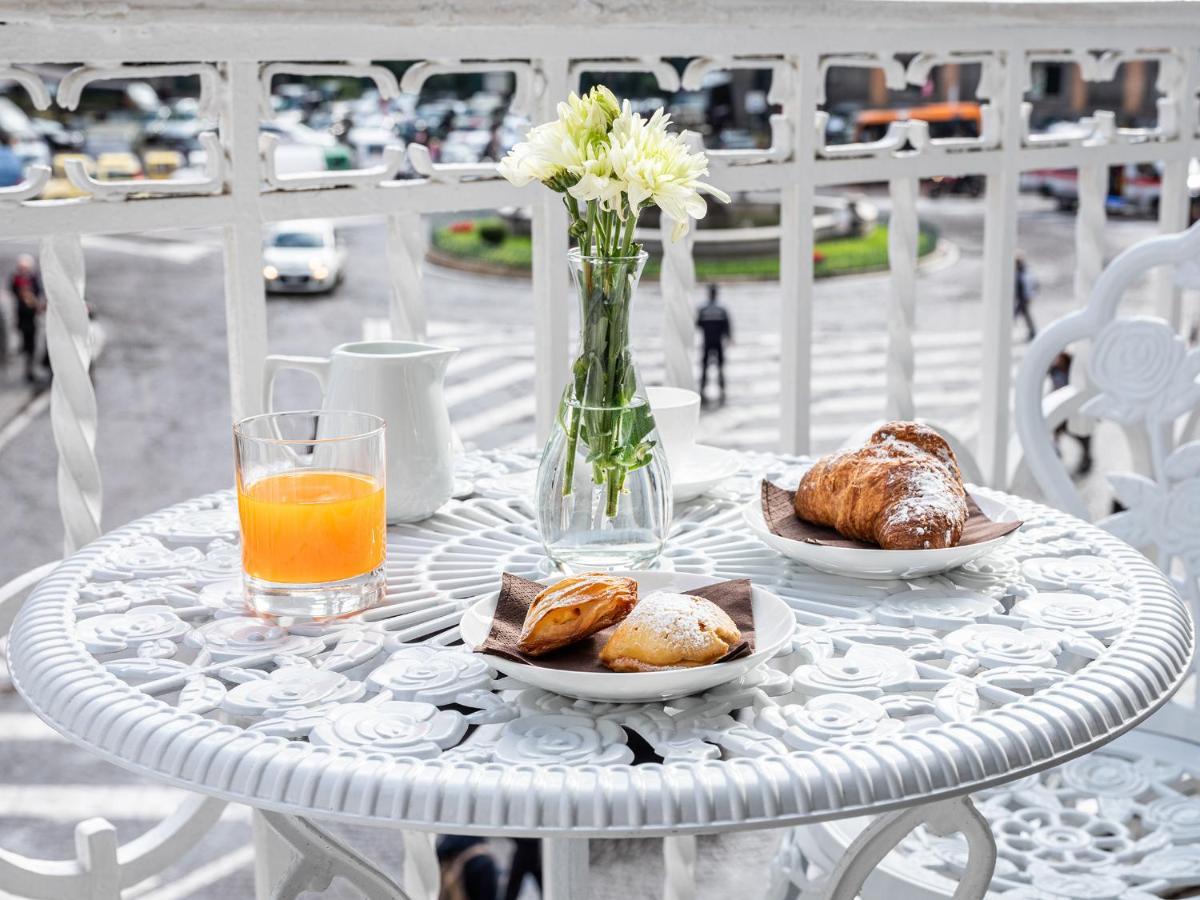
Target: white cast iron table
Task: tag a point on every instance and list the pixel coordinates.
(894, 698)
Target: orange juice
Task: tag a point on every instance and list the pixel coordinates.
(309, 526)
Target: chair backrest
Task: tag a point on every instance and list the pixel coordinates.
(1142, 376)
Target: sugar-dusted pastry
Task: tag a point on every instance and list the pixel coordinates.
(902, 490)
(575, 608)
(670, 631)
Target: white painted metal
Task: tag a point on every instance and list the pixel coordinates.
(903, 235)
(406, 253)
(72, 399)
(957, 816)
(679, 864)
(891, 693)
(565, 868)
(233, 50)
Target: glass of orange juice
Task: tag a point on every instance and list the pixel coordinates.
(310, 498)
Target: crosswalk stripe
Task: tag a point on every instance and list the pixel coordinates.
(75, 802)
(25, 726)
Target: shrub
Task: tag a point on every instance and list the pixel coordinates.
(493, 232)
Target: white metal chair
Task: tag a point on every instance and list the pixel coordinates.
(1123, 822)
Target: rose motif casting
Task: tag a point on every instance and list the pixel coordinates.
(434, 674)
(290, 688)
(1179, 815)
(242, 636)
(397, 727)
(1082, 574)
(118, 632)
(562, 740)
(941, 609)
(1000, 645)
(1101, 617)
(1066, 840)
(1106, 775)
(829, 719)
(1143, 370)
(868, 672)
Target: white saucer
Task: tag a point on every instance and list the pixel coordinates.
(878, 563)
(773, 626)
(705, 468)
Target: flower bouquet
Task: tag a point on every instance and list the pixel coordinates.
(608, 163)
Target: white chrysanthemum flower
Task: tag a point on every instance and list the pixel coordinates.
(575, 144)
(657, 167)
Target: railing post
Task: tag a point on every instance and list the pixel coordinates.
(551, 314)
(73, 414)
(405, 252)
(564, 868)
(796, 264)
(1174, 204)
(903, 236)
(245, 293)
(999, 252)
(1090, 221)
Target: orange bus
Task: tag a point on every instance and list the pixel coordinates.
(946, 120)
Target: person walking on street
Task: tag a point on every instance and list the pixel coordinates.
(1023, 293)
(26, 289)
(713, 322)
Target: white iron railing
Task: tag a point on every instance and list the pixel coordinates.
(236, 49)
(236, 59)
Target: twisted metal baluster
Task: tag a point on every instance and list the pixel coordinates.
(405, 251)
(678, 283)
(72, 397)
(1090, 220)
(903, 232)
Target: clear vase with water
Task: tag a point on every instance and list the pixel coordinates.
(603, 487)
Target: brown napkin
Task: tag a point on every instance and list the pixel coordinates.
(584, 656)
(779, 512)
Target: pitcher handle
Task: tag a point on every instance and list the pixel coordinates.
(316, 366)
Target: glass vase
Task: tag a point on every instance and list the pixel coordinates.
(603, 487)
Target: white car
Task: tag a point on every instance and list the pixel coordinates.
(305, 256)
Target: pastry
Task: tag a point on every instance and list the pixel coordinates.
(573, 609)
(902, 490)
(670, 631)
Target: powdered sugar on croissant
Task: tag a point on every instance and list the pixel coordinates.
(902, 490)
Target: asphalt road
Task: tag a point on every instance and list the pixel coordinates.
(162, 382)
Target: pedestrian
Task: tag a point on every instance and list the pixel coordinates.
(713, 322)
(26, 289)
(1023, 292)
(1060, 377)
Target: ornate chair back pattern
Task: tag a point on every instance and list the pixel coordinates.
(1142, 376)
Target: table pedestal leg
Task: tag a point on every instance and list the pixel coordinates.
(564, 869)
(301, 857)
(943, 818)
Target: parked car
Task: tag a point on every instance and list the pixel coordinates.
(162, 164)
(1133, 188)
(59, 188)
(305, 256)
(57, 136)
(119, 166)
(24, 139)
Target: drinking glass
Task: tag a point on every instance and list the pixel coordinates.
(310, 491)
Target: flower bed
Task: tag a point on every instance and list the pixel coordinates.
(462, 245)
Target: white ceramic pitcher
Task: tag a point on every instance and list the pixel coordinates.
(401, 382)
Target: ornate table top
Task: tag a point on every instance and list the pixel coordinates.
(890, 693)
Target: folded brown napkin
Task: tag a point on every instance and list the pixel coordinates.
(584, 656)
(779, 512)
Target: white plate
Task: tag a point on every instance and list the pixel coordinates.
(878, 563)
(773, 626)
(705, 468)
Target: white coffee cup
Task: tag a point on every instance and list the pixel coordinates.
(676, 415)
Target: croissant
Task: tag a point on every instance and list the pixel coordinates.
(575, 608)
(902, 490)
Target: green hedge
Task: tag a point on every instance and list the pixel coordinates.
(837, 257)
